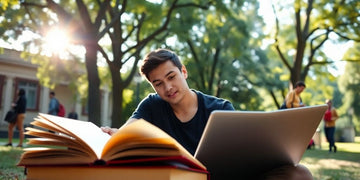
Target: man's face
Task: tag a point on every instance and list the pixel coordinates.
(300, 89)
(329, 103)
(169, 82)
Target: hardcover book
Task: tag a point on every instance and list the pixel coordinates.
(60, 145)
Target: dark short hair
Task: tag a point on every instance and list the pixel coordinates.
(300, 83)
(52, 93)
(21, 92)
(157, 57)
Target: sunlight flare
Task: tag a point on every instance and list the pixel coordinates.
(56, 41)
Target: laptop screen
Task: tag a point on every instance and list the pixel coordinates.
(247, 143)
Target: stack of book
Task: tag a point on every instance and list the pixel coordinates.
(63, 148)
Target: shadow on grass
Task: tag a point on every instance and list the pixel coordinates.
(316, 155)
(336, 174)
(342, 165)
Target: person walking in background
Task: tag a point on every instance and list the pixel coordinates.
(73, 114)
(330, 117)
(293, 99)
(53, 104)
(20, 109)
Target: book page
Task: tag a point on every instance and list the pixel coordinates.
(46, 134)
(88, 132)
(45, 124)
(49, 156)
(61, 144)
(142, 133)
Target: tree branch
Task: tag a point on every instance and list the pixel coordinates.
(33, 4)
(85, 16)
(101, 14)
(307, 20)
(277, 46)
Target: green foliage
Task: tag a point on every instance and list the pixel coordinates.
(220, 45)
(350, 83)
(10, 18)
(216, 51)
(53, 70)
(320, 87)
(298, 44)
(153, 13)
(7, 4)
(342, 16)
(130, 101)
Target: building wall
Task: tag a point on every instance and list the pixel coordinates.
(14, 69)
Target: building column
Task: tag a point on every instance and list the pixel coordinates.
(78, 105)
(44, 99)
(105, 121)
(8, 95)
(9, 89)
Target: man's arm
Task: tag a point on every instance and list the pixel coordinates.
(131, 120)
(290, 99)
(334, 115)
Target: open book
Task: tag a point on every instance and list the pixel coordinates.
(75, 142)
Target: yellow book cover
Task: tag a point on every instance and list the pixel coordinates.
(101, 173)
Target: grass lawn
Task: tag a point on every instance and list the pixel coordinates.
(343, 165)
(9, 156)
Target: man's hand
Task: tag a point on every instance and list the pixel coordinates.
(112, 131)
(109, 130)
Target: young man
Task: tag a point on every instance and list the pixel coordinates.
(293, 99)
(53, 104)
(181, 111)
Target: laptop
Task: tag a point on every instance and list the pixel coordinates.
(240, 144)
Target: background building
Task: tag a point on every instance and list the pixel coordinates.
(16, 73)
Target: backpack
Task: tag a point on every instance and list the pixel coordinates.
(60, 109)
(283, 106)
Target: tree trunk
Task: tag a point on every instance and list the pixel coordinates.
(94, 84)
(117, 89)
